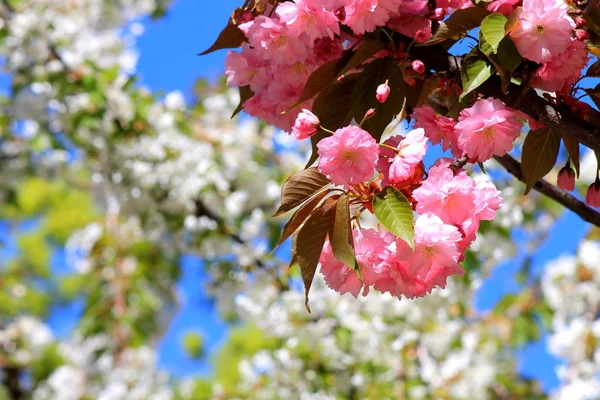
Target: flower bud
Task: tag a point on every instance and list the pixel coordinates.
(566, 178)
(306, 125)
(438, 14)
(383, 92)
(581, 34)
(592, 198)
(420, 36)
(580, 21)
(369, 114)
(418, 66)
(340, 14)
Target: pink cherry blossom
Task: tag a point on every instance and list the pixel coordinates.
(411, 151)
(366, 15)
(543, 30)
(504, 7)
(438, 129)
(306, 125)
(337, 275)
(566, 178)
(418, 28)
(487, 129)
(592, 197)
(349, 156)
(450, 197)
(277, 42)
(383, 92)
(373, 250)
(559, 73)
(418, 66)
(308, 17)
(487, 199)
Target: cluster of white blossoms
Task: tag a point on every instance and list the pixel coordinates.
(571, 287)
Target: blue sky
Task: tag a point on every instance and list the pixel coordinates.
(169, 61)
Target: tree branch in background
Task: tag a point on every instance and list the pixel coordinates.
(562, 197)
(12, 383)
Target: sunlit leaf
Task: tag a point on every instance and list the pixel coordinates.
(393, 211)
(540, 152)
(300, 187)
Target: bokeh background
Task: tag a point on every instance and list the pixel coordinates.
(136, 236)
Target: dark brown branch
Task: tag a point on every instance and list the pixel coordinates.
(12, 382)
(562, 197)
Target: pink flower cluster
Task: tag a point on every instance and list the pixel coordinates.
(284, 48)
(546, 34)
(449, 203)
(450, 209)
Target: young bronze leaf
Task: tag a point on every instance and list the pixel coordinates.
(540, 151)
(309, 241)
(594, 69)
(300, 187)
(460, 21)
(340, 233)
(365, 51)
(393, 210)
(229, 38)
(363, 95)
(573, 149)
(322, 77)
(299, 217)
(245, 94)
(333, 105)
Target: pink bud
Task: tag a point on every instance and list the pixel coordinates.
(340, 14)
(592, 198)
(566, 178)
(383, 92)
(582, 34)
(369, 114)
(418, 66)
(306, 125)
(247, 16)
(581, 22)
(420, 36)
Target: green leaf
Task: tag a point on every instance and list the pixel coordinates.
(245, 94)
(300, 187)
(393, 210)
(572, 148)
(193, 344)
(540, 152)
(300, 216)
(363, 95)
(308, 243)
(460, 21)
(340, 233)
(229, 38)
(492, 29)
(475, 71)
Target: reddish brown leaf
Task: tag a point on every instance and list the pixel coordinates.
(540, 151)
(229, 38)
(573, 149)
(340, 233)
(300, 187)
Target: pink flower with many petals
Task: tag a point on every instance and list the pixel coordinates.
(372, 248)
(559, 73)
(435, 257)
(487, 129)
(450, 197)
(306, 125)
(366, 15)
(276, 41)
(308, 17)
(504, 7)
(543, 30)
(411, 151)
(418, 28)
(337, 275)
(438, 129)
(487, 199)
(349, 156)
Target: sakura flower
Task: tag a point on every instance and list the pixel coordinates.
(504, 7)
(276, 42)
(487, 199)
(566, 178)
(306, 125)
(438, 129)
(308, 17)
(543, 30)
(372, 248)
(411, 151)
(450, 197)
(418, 66)
(418, 28)
(366, 15)
(349, 156)
(487, 129)
(559, 73)
(337, 275)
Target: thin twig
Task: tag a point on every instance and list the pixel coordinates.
(562, 197)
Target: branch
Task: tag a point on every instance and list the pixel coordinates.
(12, 382)
(562, 197)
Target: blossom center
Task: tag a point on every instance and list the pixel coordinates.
(540, 28)
(350, 155)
